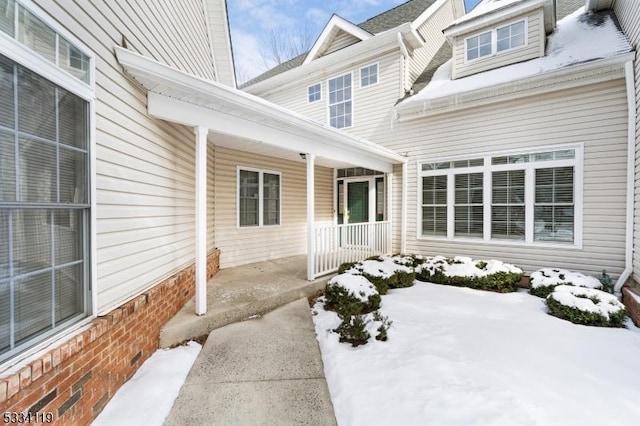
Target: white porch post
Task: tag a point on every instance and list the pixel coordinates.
(311, 218)
(201, 219)
(389, 215)
(403, 211)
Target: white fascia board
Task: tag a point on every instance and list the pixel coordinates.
(339, 60)
(493, 17)
(194, 89)
(561, 79)
(336, 22)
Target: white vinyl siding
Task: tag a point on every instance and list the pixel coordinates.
(431, 32)
(488, 59)
(628, 12)
(341, 40)
(144, 171)
(596, 118)
(242, 245)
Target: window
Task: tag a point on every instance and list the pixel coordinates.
(526, 197)
(340, 103)
(510, 36)
(369, 75)
(468, 205)
(44, 207)
(479, 46)
(434, 205)
(259, 198)
(314, 92)
(497, 40)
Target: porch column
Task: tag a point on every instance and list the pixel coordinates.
(311, 217)
(389, 216)
(201, 219)
(403, 211)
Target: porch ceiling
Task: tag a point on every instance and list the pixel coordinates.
(249, 123)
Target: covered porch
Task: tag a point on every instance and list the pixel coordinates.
(230, 119)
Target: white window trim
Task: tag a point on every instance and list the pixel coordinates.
(377, 64)
(24, 56)
(494, 41)
(577, 163)
(261, 173)
(309, 101)
(353, 108)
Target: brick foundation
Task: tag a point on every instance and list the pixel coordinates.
(632, 304)
(75, 380)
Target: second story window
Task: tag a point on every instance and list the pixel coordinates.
(314, 93)
(368, 75)
(496, 40)
(510, 36)
(479, 46)
(340, 102)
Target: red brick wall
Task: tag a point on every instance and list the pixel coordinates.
(633, 307)
(75, 380)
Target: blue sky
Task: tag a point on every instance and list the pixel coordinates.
(250, 20)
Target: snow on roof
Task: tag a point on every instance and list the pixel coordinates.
(578, 38)
(483, 9)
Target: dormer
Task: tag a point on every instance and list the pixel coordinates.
(499, 33)
(337, 34)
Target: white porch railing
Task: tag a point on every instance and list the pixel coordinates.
(337, 244)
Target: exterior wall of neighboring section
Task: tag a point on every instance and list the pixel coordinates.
(242, 245)
(533, 48)
(596, 117)
(628, 13)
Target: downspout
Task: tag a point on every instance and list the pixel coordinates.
(405, 65)
(631, 145)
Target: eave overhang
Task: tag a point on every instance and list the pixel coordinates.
(176, 96)
(560, 79)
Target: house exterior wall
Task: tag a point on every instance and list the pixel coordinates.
(216, 13)
(628, 13)
(371, 105)
(240, 246)
(145, 203)
(341, 40)
(430, 30)
(596, 117)
(533, 48)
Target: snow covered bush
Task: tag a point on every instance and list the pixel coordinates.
(462, 271)
(353, 329)
(586, 306)
(385, 272)
(349, 295)
(543, 281)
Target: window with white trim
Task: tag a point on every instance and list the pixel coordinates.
(518, 197)
(44, 189)
(259, 195)
(314, 92)
(369, 75)
(340, 102)
(497, 40)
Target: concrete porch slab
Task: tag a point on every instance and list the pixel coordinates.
(237, 293)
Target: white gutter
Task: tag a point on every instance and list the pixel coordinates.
(631, 150)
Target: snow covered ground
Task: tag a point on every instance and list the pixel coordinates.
(148, 396)
(457, 356)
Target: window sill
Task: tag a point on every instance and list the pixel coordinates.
(507, 243)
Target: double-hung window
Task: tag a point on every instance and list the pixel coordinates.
(527, 197)
(340, 102)
(259, 195)
(44, 181)
(496, 40)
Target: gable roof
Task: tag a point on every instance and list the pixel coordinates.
(335, 25)
(405, 12)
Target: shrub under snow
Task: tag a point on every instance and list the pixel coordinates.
(586, 306)
(385, 272)
(543, 281)
(349, 294)
(465, 272)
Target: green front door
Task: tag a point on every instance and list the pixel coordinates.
(358, 202)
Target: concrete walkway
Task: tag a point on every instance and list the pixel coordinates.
(234, 294)
(263, 371)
